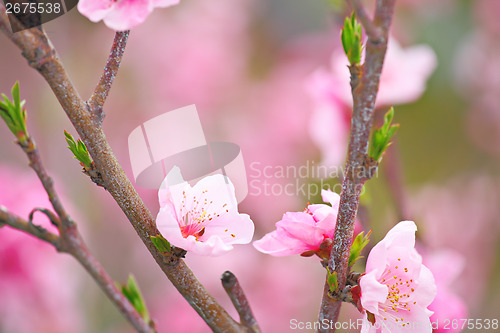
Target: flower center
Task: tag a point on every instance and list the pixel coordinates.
(197, 216)
(401, 290)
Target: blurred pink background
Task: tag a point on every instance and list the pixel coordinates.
(250, 68)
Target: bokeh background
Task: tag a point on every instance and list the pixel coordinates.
(251, 67)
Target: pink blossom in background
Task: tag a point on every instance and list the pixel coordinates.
(330, 120)
(405, 73)
(300, 232)
(268, 119)
(446, 266)
(202, 219)
(194, 61)
(446, 213)
(38, 286)
(403, 80)
(397, 288)
(486, 12)
(478, 54)
(121, 14)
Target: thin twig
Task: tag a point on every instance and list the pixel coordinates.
(72, 243)
(19, 223)
(52, 217)
(372, 31)
(98, 98)
(38, 51)
(35, 163)
(237, 296)
(364, 84)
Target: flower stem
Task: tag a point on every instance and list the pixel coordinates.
(96, 101)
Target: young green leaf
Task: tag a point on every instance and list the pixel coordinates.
(79, 150)
(14, 115)
(132, 292)
(331, 279)
(381, 137)
(161, 243)
(357, 246)
(351, 39)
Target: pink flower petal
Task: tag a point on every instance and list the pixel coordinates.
(310, 235)
(278, 245)
(395, 264)
(331, 197)
(402, 234)
(95, 10)
(167, 224)
(427, 287)
(121, 15)
(165, 3)
(373, 292)
(397, 88)
(128, 13)
(231, 228)
(214, 246)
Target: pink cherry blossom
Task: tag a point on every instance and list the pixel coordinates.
(397, 289)
(202, 219)
(121, 14)
(300, 232)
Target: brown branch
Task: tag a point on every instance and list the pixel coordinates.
(237, 296)
(372, 30)
(96, 101)
(72, 243)
(35, 163)
(38, 51)
(7, 218)
(364, 84)
(52, 217)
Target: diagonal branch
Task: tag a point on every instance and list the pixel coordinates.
(239, 300)
(364, 83)
(40, 55)
(35, 163)
(373, 31)
(96, 101)
(7, 218)
(72, 243)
